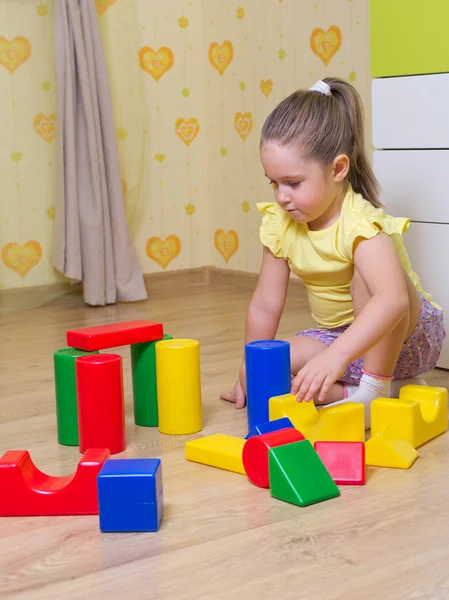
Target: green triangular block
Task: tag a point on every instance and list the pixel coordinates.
(298, 476)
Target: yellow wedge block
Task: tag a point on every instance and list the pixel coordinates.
(218, 450)
(341, 423)
(419, 415)
(383, 452)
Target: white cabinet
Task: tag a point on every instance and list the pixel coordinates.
(411, 112)
(427, 245)
(414, 183)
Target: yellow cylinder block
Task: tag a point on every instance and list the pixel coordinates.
(179, 386)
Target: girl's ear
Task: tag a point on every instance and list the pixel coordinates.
(340, 167)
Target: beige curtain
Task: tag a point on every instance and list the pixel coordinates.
(92, 242)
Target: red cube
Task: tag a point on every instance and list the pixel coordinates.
(345, 461)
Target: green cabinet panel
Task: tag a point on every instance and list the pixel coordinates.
(409, 37)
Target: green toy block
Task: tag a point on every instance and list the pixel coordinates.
(65, 385)
(143, 364)
(298, 476)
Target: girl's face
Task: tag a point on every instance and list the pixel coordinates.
(303, 188)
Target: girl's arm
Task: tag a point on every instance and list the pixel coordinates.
(377, 262)
(268, 301)
(264, 313)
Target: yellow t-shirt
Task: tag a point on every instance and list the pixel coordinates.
(324, 259)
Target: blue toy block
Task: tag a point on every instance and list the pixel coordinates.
(130, 495)
(268, 374)
(275, 425)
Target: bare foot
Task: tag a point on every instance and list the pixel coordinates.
(237, 395)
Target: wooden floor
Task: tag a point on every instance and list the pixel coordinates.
(221, 537)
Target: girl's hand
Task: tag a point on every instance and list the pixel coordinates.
(317, 376)
(237, 395)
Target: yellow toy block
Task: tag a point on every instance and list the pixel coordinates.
(419, 415)
(383, 452)
(340, 423)
(218, 450)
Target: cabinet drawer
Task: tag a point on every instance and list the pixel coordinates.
(411, 112)
(409, 37)
(427, 246)
(414, 183)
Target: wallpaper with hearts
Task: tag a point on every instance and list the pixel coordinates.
(191, 82)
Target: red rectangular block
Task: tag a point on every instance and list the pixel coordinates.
(345, 461)
(112, 335)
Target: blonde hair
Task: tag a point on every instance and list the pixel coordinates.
(325, 126)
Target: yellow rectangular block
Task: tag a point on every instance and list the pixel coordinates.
(217, 450)
(419, 415)
(340, 423)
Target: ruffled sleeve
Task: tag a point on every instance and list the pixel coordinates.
(270, 232)
(366, 221)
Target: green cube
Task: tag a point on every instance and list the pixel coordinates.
(298, 476)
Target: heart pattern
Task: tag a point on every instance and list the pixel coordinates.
(266, 85)
(243, 122)
(163, 251)
(326, 44)
(22, 259)
(16, 156)
(45, 126)
(220, 56)
(14, 53)
(103, 5)
(187, 129)
(227, 244)
(156, 63)
(223, 151)
(159, 157)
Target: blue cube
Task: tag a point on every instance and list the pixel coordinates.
(270, 426)
(130, 494)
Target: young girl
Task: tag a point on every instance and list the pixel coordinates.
(374, 321)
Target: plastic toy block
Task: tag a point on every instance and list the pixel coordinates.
(340, 423)
(101, 415)
(66, 405)
(270, 426)
(143, 364)
(345, 461)
(419, 415)
(130, 495)
(25, 491)
(179, 386)
(383, 452)
(298, 476)
(218, 450)
(267, 374)
(255, 453)
(112, 335)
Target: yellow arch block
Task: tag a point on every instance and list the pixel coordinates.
(419, 415)
(340, 423)
(218, 450)
(383, 452)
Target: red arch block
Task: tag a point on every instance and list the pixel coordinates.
(26, 491)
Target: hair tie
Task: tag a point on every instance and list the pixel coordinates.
(322, 87)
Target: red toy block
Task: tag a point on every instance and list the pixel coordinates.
(255, 453)
(112, 335)
(101, 413)
(25, 491)
(345, 461)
